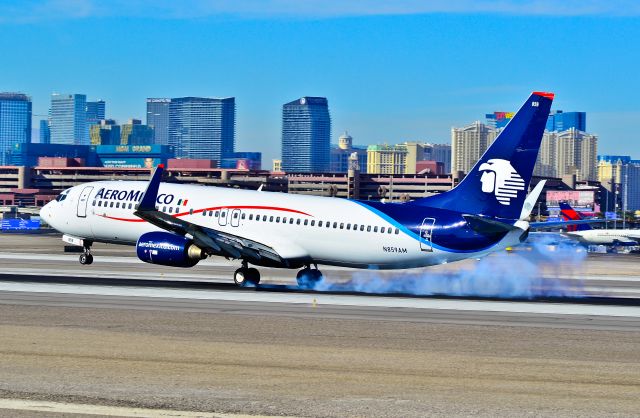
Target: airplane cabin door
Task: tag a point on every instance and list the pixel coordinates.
(83, 201)
(426, 234)
(222, 219)
(235, 217)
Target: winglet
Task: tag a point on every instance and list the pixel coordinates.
(530, 201)
(148, 201)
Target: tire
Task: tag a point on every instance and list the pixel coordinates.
(252, 277)
(240, 277)
(308, 278)
(86, 259)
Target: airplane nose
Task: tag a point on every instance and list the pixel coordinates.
(45, 212)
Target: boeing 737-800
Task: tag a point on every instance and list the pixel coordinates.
(179, 225)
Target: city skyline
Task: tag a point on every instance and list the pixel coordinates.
(423, 78)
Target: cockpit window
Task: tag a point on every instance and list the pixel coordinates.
(61, 197)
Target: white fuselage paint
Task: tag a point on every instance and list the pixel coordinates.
(112, 220)
(606, 236)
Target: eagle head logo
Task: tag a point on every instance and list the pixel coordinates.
(500, 178)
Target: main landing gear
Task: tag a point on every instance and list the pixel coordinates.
(86, 258)
(246, 276)
(309, 278)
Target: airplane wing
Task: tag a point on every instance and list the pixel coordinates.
(212, 241)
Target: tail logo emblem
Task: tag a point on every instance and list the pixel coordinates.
(500, 178)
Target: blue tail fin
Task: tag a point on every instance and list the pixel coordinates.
(498, 183)
(569, 214)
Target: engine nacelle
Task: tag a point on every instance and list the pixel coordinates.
(168, 249)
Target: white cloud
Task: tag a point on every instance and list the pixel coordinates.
(25, 11)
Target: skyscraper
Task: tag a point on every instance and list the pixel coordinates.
(69, 119)
(45, 132)
(202, 127)
(135, 133)
(158, 119)
(95, 113)
(468, 144)
(15, 123)
(566, 153)
(306, 135)
(563, 121)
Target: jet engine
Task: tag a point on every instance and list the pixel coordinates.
(168, 249)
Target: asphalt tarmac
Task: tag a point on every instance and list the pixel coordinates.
(216, 349)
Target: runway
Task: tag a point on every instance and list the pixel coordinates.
(125, 334)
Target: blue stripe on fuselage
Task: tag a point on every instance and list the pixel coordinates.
(450, 226)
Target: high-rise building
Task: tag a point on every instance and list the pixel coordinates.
(468, 144)
(45, 131)
(424, 151)
(106, 133)
(15, 123)
(158, 119)
(498, 120)
(135, 133)
(69, 119)
(306, 135)
(203, 128)
(95, 113)
(563, 121)
(630, 181)
(567, 153)
(343, 152)
(387, 159)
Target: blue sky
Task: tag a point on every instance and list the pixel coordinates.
(392, 71)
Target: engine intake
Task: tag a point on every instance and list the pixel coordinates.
(168, 249)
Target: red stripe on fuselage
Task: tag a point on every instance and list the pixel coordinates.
(211, 209)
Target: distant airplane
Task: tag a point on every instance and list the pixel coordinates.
(179, 225)
(584, 234)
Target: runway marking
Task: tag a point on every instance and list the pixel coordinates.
(324, 299)
(88, 409)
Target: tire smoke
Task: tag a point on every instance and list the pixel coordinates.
(545, 266)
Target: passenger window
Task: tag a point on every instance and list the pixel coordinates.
(362, 227)
(264, 218)
(170, 210)
(271, 219)
(94, 203)
(397, 231)
(313, 223)
(243, 216)
(375, 229)
(291, 220)
(111, 205)
(306, 221)
(100, 203)
(328, 224)
(335, 225)
(369, 228)
(130, 205)
(217, 214)
(190, 211)
(251, 217)
(284, 220)
(235, 215)
(349, 226)
(278, 219)
(320, 223)
(355, 227)
(204, 212)
(224, 214)
(341, 225)
(117, 205)
(382, 230)
(389, 230)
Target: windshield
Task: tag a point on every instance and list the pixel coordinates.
(62, 196)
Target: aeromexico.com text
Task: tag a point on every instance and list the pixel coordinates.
(132, 196)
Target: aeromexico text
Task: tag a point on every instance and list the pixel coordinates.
(133, 196)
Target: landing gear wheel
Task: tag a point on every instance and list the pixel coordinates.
(308, 278)
(245, 277)
(86, 258)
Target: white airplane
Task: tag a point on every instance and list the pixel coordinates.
(179, 225)
(584, 234)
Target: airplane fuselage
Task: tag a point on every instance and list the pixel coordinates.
(606, 236)
(301, 229)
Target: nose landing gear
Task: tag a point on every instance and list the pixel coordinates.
(86, 258)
